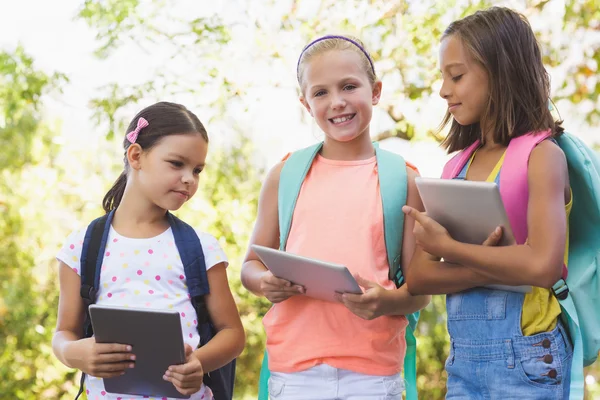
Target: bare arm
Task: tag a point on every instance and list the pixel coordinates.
(427, 274)
(230, 339)
(99, 360)
(255, 276)
(71, 315)
(539, 261)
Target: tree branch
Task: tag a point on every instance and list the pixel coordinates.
(390, 133)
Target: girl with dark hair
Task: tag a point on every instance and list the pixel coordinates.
(504, 344)
(165, 152)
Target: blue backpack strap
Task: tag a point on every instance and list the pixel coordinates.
(221, 381)
(192, 257)
(92, 255)
(393, 186)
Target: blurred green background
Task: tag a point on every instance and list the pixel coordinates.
(62, 119)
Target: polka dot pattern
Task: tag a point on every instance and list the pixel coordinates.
(144, 273)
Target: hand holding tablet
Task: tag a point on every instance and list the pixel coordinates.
(470, 211)
(277, 289)
(154, 353)
(320, 279)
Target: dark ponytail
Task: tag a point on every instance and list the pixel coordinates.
(163, 119)
(115, 194)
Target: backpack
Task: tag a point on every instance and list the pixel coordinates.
(393, 188)
(220, 381)
(578, 291)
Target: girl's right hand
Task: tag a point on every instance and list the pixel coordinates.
(277, 290)
(101, 360)
(492, 240)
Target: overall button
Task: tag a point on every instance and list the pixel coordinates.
(548, 358)
(552, 374)
(546, 343)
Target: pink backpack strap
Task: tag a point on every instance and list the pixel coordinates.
(456, 163)
(514, 187)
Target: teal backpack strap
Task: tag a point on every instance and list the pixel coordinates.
(291, 178)
(410, 363)
(292, 175)
(263, 381)
(576, 388)
(393, 186)
(581, 301)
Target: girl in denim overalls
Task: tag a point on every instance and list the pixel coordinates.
(503, 344)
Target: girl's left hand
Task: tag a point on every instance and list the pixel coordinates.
(368, 305)
(429, 235)
(187, 378)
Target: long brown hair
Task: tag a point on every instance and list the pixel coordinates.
(503, 43)
(164, 119)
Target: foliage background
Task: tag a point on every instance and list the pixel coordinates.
(234, 63)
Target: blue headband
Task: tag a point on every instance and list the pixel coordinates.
(335, 37)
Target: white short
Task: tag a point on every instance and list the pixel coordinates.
(324, 382)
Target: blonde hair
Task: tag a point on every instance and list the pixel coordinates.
(330, 43)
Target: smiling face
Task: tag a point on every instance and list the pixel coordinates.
(465, 82)
(337, 92)
(168, 173)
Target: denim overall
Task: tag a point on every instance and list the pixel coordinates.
(489, 356)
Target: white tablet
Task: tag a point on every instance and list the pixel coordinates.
(469, 210)
(156, 340)
(322, 280)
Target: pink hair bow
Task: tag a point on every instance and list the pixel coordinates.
(132, 136)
